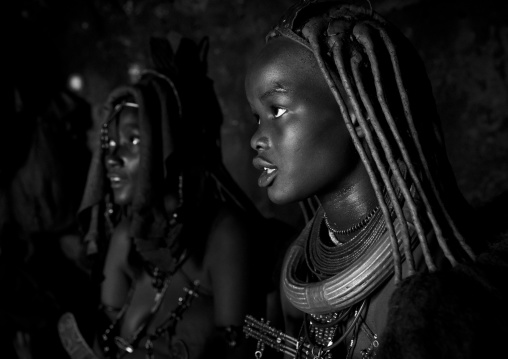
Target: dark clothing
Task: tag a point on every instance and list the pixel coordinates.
(459, 313)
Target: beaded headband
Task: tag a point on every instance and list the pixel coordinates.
(104, 128)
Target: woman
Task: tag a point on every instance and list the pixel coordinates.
(170, 231)
(389, 261)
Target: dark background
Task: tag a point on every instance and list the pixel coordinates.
(464, 45)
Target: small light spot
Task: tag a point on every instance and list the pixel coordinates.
(76, 82)
(134, 72)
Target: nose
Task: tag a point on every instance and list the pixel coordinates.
(259, 141)
(113, 159)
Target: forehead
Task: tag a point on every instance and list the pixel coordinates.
(124, 120)
(281, 62)
(128, 116)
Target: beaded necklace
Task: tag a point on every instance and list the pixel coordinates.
(169, 325)
(321, 329)
(354, 227)
(324, 260)
(345, 288)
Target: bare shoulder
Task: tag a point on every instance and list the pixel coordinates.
(119, 247)
(120, 240)
(230, 228)
(229, 241)
(120, 234)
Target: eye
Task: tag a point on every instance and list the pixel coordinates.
(111, 144)
(135, 140)
(278, 111)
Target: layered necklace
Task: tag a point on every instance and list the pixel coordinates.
(340, 277)
(365, 265)
(335, 306)
(325, 258)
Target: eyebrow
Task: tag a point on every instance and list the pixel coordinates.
(278, 88)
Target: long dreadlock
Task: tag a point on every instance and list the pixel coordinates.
(365, 62)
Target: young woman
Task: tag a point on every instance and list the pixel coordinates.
(173, 235)
(389, 262)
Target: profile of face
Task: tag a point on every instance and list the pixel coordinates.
(123, 156)
(303, 146)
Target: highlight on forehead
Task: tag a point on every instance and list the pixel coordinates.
(276, 88)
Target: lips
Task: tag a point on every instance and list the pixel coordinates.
(116, 180)
(269, 171)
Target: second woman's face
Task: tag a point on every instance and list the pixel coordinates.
(122, 160)
(303, 146)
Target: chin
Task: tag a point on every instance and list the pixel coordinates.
(280, 197)
(290, 193)
(122, 199)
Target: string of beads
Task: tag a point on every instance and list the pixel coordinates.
(354, 227)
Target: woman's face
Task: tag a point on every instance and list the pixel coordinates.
(303, 145)
(122, 159)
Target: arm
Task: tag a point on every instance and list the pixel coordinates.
(116, 284)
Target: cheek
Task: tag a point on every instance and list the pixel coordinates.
(132, 165)
(297, 173)
(320, 159)
(310, 146)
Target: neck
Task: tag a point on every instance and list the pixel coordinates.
(351, 200)
(126, 211)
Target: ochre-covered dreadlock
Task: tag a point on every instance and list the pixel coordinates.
(371, 68)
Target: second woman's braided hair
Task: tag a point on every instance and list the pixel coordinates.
(371, 68)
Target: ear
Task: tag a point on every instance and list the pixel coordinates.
(356, 125)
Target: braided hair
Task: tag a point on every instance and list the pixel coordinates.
(371, 67)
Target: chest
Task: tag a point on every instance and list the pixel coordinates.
(183, 304)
